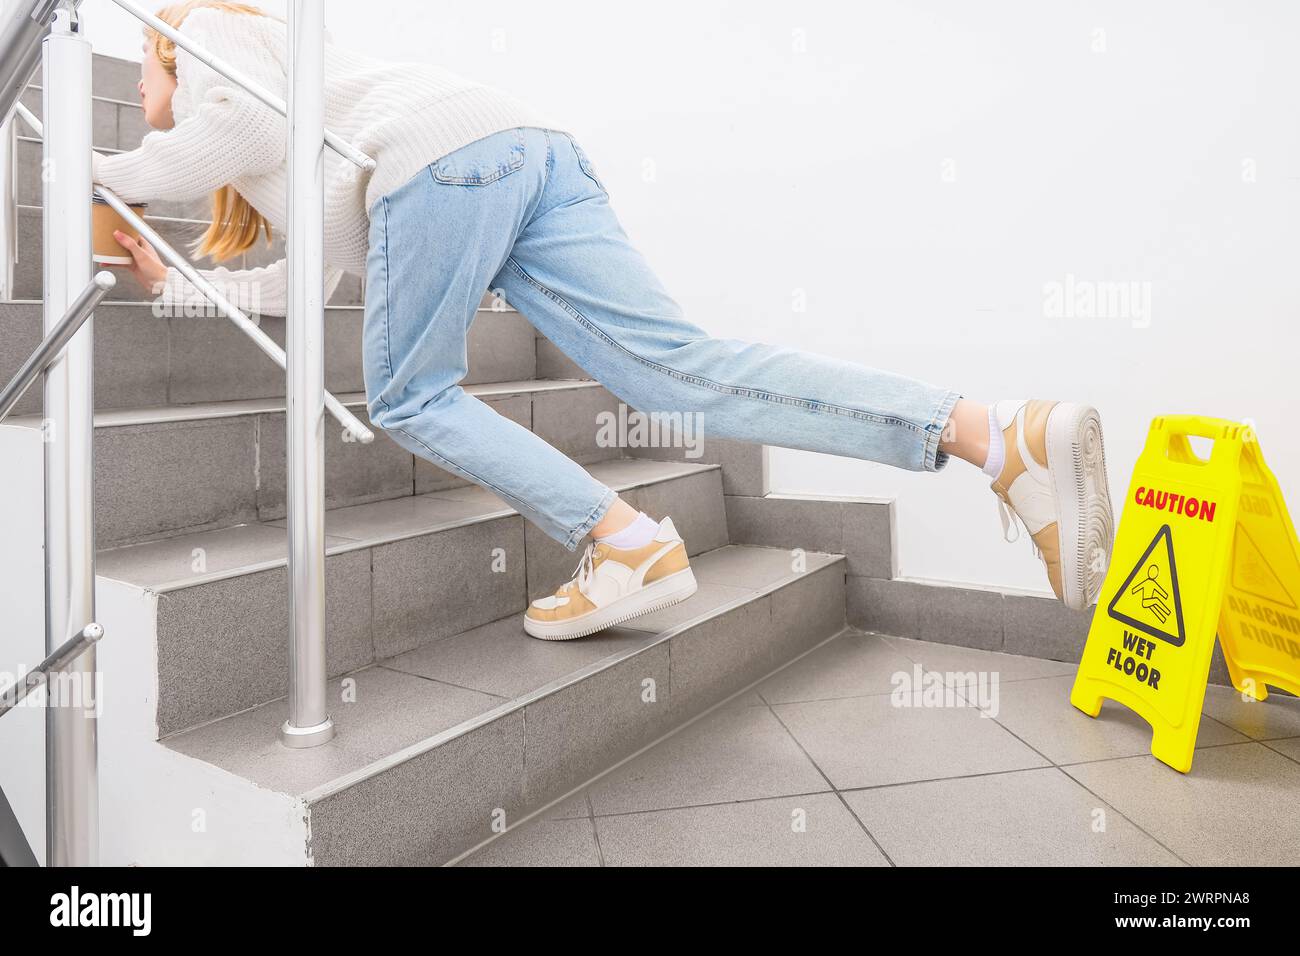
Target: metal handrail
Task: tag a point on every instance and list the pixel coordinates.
(333, 140)
(14, 848)
(250, 328)
(25, 27)
(53, 344)
(28, 117)
(39, 675)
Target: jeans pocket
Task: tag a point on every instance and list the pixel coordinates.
(483, 161)
(584, 161)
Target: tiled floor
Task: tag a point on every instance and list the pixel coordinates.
(818, 766)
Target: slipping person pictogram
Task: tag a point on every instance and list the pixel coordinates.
(1153, 595)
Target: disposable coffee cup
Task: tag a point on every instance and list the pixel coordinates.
(106, 250)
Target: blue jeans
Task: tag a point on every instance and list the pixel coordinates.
(525, 212)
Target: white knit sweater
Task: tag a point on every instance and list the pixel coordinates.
(404, 115)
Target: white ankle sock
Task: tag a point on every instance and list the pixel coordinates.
(638, 534)
(997, 451)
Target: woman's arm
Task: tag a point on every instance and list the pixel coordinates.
(263, 290)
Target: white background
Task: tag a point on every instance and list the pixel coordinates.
(919, 172)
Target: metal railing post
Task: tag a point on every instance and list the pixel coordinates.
(309, 723)
(72, 797)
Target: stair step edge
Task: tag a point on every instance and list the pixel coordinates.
(337, 544)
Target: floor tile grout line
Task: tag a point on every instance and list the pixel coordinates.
(960, 776)
(865, 829)
(1207, 716)
(1265, 743)
(832, 790)
(1147, 753)
(995, 720)
(1058, 769)
(1124, 816)
(803, 750)
(889, 693)
(708, 804)
(1069, 776)
(893, 641)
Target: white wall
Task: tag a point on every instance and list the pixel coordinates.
(921, 171)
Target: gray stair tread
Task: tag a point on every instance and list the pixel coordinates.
(118, 417)
(423, 697)
(167, 564)
(239, 549)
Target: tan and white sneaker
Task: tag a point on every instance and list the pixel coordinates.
(1053, 479)
(611, 585)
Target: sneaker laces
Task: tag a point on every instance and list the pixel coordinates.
(1012, 520)
(1009, 521)
(585, 570)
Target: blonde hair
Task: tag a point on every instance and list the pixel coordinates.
(235, 223)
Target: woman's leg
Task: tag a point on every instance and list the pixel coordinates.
(574, 273)
(435, 243)
(966, 437)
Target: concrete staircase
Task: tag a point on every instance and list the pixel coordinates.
(452, 723)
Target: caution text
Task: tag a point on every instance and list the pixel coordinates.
(1175, 503)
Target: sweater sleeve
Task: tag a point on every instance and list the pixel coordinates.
(260, 291)
(222, 131)
(230, 134)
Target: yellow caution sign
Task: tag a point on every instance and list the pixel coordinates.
(1204, 546)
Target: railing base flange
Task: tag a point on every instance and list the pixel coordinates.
(302, 737)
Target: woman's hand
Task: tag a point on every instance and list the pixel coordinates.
(147, 268)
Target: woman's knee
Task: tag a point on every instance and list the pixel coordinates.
(396, 410)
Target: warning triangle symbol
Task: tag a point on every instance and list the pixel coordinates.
(1252, 574)
(1148, 600)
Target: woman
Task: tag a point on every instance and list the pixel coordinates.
(474, 191)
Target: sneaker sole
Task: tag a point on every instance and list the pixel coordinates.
(661, 594)
(1076, 461)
